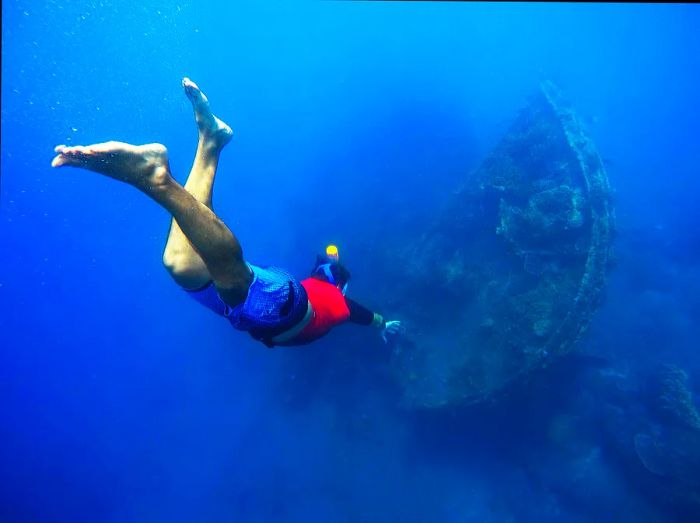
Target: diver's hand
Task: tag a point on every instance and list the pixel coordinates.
(390, 330)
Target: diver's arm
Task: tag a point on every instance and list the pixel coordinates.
(363, 316)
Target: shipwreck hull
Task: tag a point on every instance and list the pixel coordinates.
(511, 272)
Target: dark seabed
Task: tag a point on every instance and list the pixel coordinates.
(355, 122)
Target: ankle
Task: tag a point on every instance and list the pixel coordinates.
(209, 151)
(159, 182)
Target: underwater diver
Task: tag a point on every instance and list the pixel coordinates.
(205, 258)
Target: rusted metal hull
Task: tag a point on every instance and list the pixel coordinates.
(511, 272)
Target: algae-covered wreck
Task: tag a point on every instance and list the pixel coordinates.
(513, 268)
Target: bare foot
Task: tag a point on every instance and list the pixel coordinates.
(143, 166)
(210, 127)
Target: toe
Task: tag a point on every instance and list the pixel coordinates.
(58, 161)
(69, 151)
(189, 85)
(66, 158)
(78, 150)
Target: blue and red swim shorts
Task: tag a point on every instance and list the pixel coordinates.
(276, 301)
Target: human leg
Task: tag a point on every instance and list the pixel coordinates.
(179, 257)
(146, 168)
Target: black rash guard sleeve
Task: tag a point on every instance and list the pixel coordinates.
(359, 314)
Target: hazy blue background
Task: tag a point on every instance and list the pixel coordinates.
(123, 400)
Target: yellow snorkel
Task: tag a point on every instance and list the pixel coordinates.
(323, 266)
(332, 252)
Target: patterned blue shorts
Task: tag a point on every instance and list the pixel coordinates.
(276, 301)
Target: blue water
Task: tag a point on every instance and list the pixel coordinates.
(123, 400)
